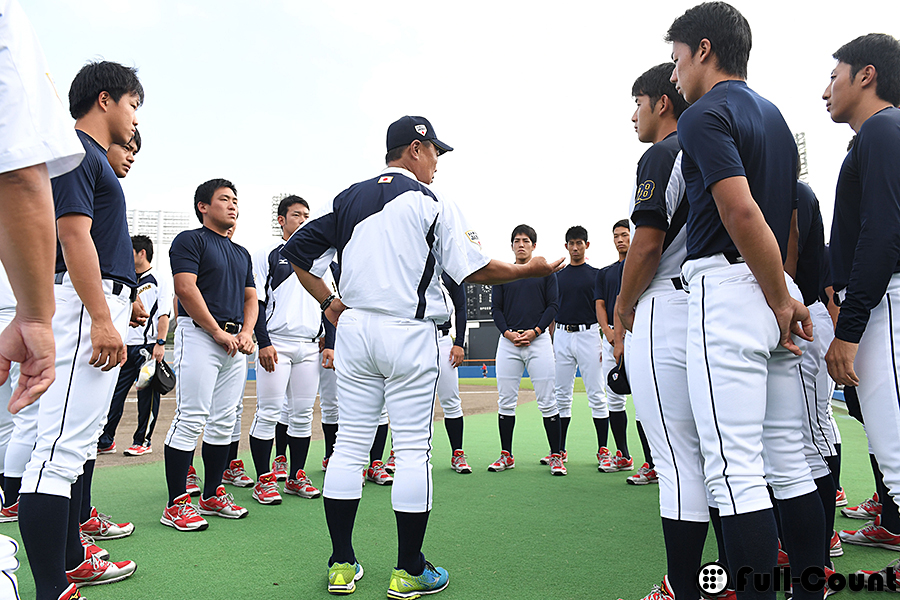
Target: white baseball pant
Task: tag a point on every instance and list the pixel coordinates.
(615, 402)
(511, 362)
(296, 375)
(579, 349)
(817, 390)
(9, 589)
(448, 382)
(328, 398)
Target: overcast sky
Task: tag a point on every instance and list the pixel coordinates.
(282, 96)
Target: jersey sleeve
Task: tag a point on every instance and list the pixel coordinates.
(73, 192)
(599, 284)
(248, 280)
(551, 294)
(497, 308)
(184, 255)
(261, 273)
(311, 243)
(458, 295)
(653, 172)
(707, 138)
(457, 247)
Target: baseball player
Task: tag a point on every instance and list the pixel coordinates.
(217, 300)
(865, 251)
(523, 311)
(739, 165)
(609, 279)
(387, 351)
(288, 331)
(448, 381)
(95, 279)
(577, 338)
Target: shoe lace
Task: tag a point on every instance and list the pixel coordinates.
(86, 540)
(187, 510)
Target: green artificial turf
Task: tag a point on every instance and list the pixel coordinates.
(519, 534)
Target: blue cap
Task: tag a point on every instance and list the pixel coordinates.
(406, 130)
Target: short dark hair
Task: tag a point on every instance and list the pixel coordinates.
(205, 192)
(656, 83)
(622, 223)
(136, 141)
(104, 76)
(726, 29)
(289, 201)
(576, 232)
(397, 153)
(142, 242)
(882, 51)
(520, 229)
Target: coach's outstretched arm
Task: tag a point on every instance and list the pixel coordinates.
(497, 272)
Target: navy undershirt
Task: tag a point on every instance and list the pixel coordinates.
(811, 245)
(576, 295)
(607, 286)
(525, 304)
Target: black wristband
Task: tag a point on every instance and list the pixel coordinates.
(327, 302)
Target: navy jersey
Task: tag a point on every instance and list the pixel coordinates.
(732, 131)
(811, 245)
(525, 304)
(92, 189)
(576, 295)
(223, 271)
(865, 232)
(457, 295)
(607, 286)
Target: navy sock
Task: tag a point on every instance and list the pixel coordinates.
(261, 450)
(215, 461)
(618, 422)
(552, 428)
(507, 424)
(648, 456)
(834, 465)
(299, 451)
(890, 519)
(751, 540)
(43, 520)
(777, 514)
(329, 430)
(74, 549)
(803, 523)
(11, 487)
(281, 441)
(340, 516)
(826, 490)
(87, 478)
(563, 432)
(377, 450)
(716, 521)
(602, 427)
(684, 553)
(455, 432)
(177, 464)
(232, 452)
(410, 536)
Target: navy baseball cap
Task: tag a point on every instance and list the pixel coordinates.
(405, 130)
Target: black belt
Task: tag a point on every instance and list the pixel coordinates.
(679, 285)
(226, 326)
(575, 328)
(117, 287)
(733, 257)
(444, 332)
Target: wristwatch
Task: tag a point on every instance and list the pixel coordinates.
(161, 342)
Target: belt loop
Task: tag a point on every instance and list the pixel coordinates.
(58, 278)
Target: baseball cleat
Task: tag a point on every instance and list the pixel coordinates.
(391, 465)
(556, 465)
(100, 526)
(70, 593)
(604, 460)
(192, 485)
(90, 548)
(506, 461)
(661, 592)
(280, 467)
(883, 574)
(342, 577)
(221, 505)
(236, 475)
(96, 571)
(458, 462)
(137, 450)
(266, 490)
(643, 476)
(8, 514)
(301, 486)
(869, 509)
(621, 463)
(325, 464)
(783, 560)
(378, 474)
(404, 586)
(836, 548)
(565, 458)
(183, 516)
(840, 498)
(111, 449)
(873, 534)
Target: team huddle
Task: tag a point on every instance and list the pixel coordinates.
(727, 313)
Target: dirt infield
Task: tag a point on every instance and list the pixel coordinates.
(476, 399)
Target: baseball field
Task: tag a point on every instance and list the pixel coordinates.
(519, 534)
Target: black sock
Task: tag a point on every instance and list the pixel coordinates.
(826, 490)
(563, 432)
(87, 478)
(340, 516)
(684, 553)
(377, 450)
(876, 471)
(177, 464)
(751, 540)
(215, 461)
(329, 430)
(834, 464)
(299, 451)
(890, 519)
(455, 432)
(803, 523)
(552, 427)
(74, 549)
(618, 422)
(410, 536)
(281, 441)
(602, 427)
(716, 521)
(776, 513)
(232, 452)
(261, 450)
(507, 424)
(43, 522)
(648, 456)
(11, 487)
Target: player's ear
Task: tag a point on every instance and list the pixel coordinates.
(704, 50)
(587, 245)
(663, 104)
(867, 76)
